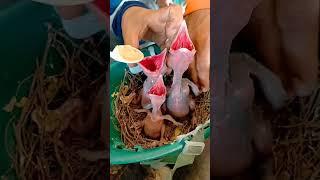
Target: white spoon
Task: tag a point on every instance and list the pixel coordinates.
(126, 54)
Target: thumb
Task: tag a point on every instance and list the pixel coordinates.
(130, 35)
(130, 38)
(134, 25)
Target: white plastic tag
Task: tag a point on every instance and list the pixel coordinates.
(195, 131)
(193, 148)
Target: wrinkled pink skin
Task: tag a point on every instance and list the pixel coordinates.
(154, 121)
(182, 53)
(153, 67)
(180, 102)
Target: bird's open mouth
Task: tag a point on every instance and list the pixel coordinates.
(153, 64)
(183, 39)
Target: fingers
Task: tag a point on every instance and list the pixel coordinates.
(134, 25)
(133, 28)
(160, 26)
(199, 71)
(165, 24)
(203, 68)
(130, 39)
(175, 18)
(199, 30)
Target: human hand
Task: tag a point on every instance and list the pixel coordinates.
(198, 24)
(159, 26)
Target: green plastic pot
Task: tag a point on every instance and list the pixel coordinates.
(23, 36)
(121, 155)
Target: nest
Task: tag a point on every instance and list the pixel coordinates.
(296, 133)
(44, 147)
(131, 122)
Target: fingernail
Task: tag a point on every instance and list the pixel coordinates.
(204, 89)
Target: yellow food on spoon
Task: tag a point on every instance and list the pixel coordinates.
(129, 53)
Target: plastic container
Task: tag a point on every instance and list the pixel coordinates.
(119, 155)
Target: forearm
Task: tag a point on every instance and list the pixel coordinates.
(117, 14)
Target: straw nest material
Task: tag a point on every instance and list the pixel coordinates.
(45, 146)
(130, 122)
(296, 133)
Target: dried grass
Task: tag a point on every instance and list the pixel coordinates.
(38, 154)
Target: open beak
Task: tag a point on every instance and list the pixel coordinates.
(153, 65)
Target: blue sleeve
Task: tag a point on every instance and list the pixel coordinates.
(113, 5)
(116, 24)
